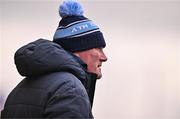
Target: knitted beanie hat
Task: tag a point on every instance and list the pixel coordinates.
(76, 32)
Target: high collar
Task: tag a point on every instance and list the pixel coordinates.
(91, 85)
(90, 81)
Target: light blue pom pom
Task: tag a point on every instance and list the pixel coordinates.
(70, 8)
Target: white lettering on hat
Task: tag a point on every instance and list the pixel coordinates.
(78, 28)
(74, 30)
(92, 24)
(83, 26)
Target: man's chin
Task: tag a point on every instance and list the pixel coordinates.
(99, 76)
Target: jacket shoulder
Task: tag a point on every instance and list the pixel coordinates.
(70, 99)
(65, 82)
(36, 93)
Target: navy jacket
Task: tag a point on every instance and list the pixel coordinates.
(56, 84)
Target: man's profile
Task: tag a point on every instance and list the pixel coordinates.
(60, 75)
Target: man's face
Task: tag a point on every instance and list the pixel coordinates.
(93, 58)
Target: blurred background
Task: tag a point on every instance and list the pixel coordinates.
(141, 79)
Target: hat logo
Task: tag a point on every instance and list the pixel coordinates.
(79, 28)
(75, 29)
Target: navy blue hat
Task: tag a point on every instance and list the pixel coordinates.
(76, 32)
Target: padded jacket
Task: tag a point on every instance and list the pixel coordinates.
(56, 84)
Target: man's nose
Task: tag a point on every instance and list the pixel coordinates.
(103, 57)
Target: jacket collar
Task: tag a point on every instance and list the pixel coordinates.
(90, 86)
(90, 81)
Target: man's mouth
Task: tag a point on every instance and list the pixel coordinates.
(99, 65)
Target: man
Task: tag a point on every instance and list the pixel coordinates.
(60, 76)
